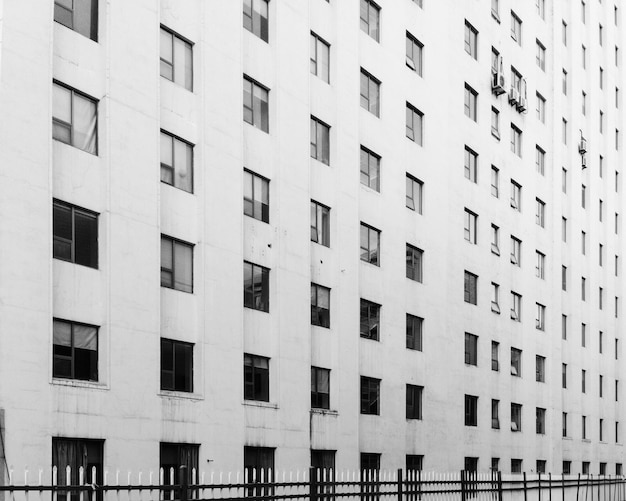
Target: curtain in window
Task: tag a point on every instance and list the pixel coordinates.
(183, 266)
(84, 124)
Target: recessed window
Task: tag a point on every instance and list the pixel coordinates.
(495, 123)
(516, 251)
(516, 306)
(77, 453)
(540, 369)
(320, 141)
(564, 32)
(414, 119)
(541, 108)
(516, 362)
(471, 165)
(540, 213)
(516, 28)
(414, 50)
(541, 56)
(320, 388)
(563, 375)
(495, 414)
(540, 266)
(74, 118)
(370, 93)
(541, 8)
(176, 365)
(516, 421)
(516, 140)
(471, 100)
(80, 16)
(516, 196)
(370, 244)
(176, 264)
(414, 332)
(370, 19)
(540, 160)
(540, 319)
(255, 104)
(414, 188)
(495, 364)
(370, 169)
(414, 258)
(471, 410)
(414, 401)
(495, 181)
(370, 320)
(469, 229)
(540, 420)
(74, 350)
(256, 196)
(320, 224)
(256, 378)
(176, 59)
(470, 287)
(471, 40)
(370, 395)
(471, 349)
(256, 287)
(320, 306)
(75, 234)
(495, 240)
(320, 57)
(176, 162)
(255, 17)
(495, 297)
(564, 434)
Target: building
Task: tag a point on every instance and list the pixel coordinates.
(474, 323)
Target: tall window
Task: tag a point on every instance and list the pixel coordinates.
(516, 251)
(516, 362)
(540, 418)
(414, 257)
(414, 401)
(176, 365)
(370, 244)
(563, 375)
(471, 99)
(516, 28)
(256, 196)
(495, 240)
(74, 118)
(320, 141)
(516, 140)
(74, 350)
(75, 234)
(414, 332)
(370, 320)
(176, 162)
(414, 189)
(320, 58)
(256, 287)
(320, 306)
(471, 165)
(470, 226)
(370, 19)
(414, 118)
(495, 414)
(471, 410)
(495, 297)
(540, 320)
(320, 224)
(370, 169)
(77, 453)
(256, 378)
(471, 349)
(540, 160)
(495, 364)
(470, 287)
(564, 426)
(78, 15)
(540, 213)
(171, 457)
(255, 104)
(414, 50)
(495, 123)
(370, 93)
(516, 306)
(176, 264)
(541, 108)
(540, 369)
(370, 395)
(495, 181)
(255, 17)
(471, 40)
(541, 265)
(516, 196)
(176, 59)
(320, 388)
(516, 417)
(541, 56)
(258, 463)
(541, 8)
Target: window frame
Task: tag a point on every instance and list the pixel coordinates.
(369, 325)
(249, 14)
(188, 372)
(186, 43)
(414, 124)
(70, 126)
(318, 42)
(320, 223)
(93, 24)
(58, 205)
(256, 379)
(371, 174)
(320, 316)
(371, 7)
(413, 61)
(320, 140)
(414, 202)
(414, 332)
(258, 298)
(414, 263)
(173, 168)
(471, 40)
(58, 358)
(414, 395)
(320, 399)
(256, 105)
(252, 206)
(370, 396)
(371, 100)
(367, 254)
(175, 242)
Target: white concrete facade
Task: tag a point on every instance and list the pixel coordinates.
(126, 407)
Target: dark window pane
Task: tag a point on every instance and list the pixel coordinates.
(86, 239)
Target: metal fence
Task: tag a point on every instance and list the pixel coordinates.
(312, 485)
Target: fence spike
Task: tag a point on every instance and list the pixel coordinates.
(117, 476)
(68, 475)
(105, 480)
(40, 476)
(161, 476)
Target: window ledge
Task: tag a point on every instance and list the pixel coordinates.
(258, 403)
(566, 438)
(586, 440)
(180, 394)
(325, 412)
(77, 383)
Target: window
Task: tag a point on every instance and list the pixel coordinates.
(540, 266)
(176, 365)
(77, 453)
(74, 118)
(540, 160)
(600, 386)
(255, 18)
(370, 18)
(564, 375)
(541, 108)
(516, 251)
(471, 98)
(540, 369)
(584, 436)
(600, 165)
(414, 332)
(320, 224)
(176, 264)
(583, 12)
(495, 364)
(256, 196)
(583, 199)
(540, 213)
(370, 395)
(563, 277)
(496, 62)
(516, 362)
(616, 224)
(370, 169)
(601, 77)
(540, 320)
(471, 348)
(320, 58)
(495, 181)
(516, 417)
(600, 297)
(584, 56)
(414, 50)
(176, 59)
(176, 162)
(255, 104)
(583, 380)
(370, 320)
(74, 350)
(471, 410)
(564, 228)
(564, 32)
(616, 139)
(471, 165)
(600, 210)
(495, 300)
(470, 288)
(320, 141)
(414, 258)
(616, 390)
(541, 8)
(256, 378)
(516, 307)
(616, 55)
(495, 240)
(495, 414)
(256, 287)
(583, 242)
(370, 93)
(470, 226)
(414, 118)
(495, 464)
(564, 180)
(471, 40)
(320, 388)
(601, 121)
(413, 401)
(567, 467)
(564, 82)
(413, 464)
(258, 463)
(516, 28)
(584, 102)
(541, 465)
(495, 123)
(414, 189)
(583, 287)
(78, 15)
(541, 56)
(564, 426)
(540, 415)
(75, 234)
(320, 306)
(516, 140)
(563, 326)
(370, 244)
(600, 34)
(583, 334)
(600, 341)
(516, 465)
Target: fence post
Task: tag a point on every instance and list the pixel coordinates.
(399, 484)
(463, 486)
(312, 483)
(550, 486)
(184, 483)
(525, 489)
(499, 486)
(577, 487)
(539, 485)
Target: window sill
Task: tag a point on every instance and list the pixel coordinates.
(259, 403)
(77, 383)
(183, 395)
(325, 412)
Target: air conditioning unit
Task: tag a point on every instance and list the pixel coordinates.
(498, 84)
(522, 104)
(582, 146)
(513, 96)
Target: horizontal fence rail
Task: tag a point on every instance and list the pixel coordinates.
(310, 485)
